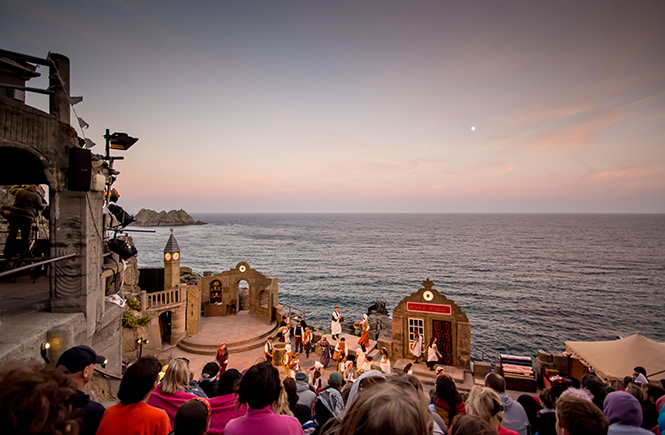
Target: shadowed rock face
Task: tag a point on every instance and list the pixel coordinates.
(151, 218)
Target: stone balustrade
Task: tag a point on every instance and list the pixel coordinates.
(163, 298)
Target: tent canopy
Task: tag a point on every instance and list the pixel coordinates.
(617, 358)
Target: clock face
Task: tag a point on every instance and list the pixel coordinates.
(167, 256)
(428, 296)
(242, 268)
(176, 256)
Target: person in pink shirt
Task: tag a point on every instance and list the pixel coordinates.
(259, 388)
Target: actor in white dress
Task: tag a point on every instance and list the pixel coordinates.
(384, 364)
(361, 353)
(336, 324)
(416, 346)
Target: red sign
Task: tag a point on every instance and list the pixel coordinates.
(429, 308)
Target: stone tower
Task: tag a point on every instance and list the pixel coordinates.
(171, 263)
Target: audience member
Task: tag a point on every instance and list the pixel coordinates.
(306, 394)
(531, 407)
(367, 378)
(133, 414)
(650, 415)
(597, 387)
(301, 412)
(259, 388)
(173, 390)
(208, 379)
(448, 402)
(624, 414)
(439, 425)
(387, 408)
(329, 405)
(470, 425)
(486, 404)
(79, 363)
(546, 418)
(34, 400)
(575, 416)
(225, 406)
(514, 417)
(192, 418)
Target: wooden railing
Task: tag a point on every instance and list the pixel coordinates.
(159, 299)
(295, 310)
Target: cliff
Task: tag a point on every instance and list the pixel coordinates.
(151, 218)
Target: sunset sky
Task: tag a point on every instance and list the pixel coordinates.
(367, 106)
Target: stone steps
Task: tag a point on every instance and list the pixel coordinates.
(236, 346)
(463, 379)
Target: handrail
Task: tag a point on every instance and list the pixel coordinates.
(162, 298)
(37, 264)
(295, 309)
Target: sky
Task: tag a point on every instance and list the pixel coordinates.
(367, 106)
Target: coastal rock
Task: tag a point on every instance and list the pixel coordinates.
(150, 218)
(188, 276)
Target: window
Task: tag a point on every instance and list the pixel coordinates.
(416, 325)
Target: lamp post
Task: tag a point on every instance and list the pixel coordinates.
(140, 342)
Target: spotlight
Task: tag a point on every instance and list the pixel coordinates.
(44, 351)
(121, 141)
(123, 217)
(122, 248)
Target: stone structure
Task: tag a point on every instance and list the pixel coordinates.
(432, 314)
(37, 148)
(220, 293)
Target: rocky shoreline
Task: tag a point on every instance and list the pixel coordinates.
(151, 218)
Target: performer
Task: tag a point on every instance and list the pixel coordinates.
(307, 341)
(361, 354)
(287, 360)
(433, 354)
(350, 374)
(27, 202)
(341, 353)
(325, 351)
(384, 365)
(268, 350)
(297, 334)
(364, 327)
(336, 325)
(222, 357)
(416, 346)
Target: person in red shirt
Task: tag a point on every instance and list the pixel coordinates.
(133, 415)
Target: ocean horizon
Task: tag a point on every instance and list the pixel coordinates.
(527, 281)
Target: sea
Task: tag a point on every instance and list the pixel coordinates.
(525, 281)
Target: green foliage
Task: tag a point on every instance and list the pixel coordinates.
(129, 320)
(129, 317)
(133, 303)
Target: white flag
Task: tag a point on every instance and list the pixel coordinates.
(89, 143)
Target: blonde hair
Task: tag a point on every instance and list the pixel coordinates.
(486, 404)
(176, 377)
(281, 405)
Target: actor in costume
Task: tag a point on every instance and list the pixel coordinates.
(336, 324)
(268, 349)
(222, 357)
(416, 346)
(27, 202)
(307, 341)
(433, 354)
(324, 346)
(364, 328)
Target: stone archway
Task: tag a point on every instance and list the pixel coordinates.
(165, 327)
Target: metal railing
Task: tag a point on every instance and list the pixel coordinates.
(37, 264)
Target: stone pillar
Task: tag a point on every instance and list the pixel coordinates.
(178, 318)
(76, 227)
(59, 77)
(398, 347)
(193, 309)
(464, 345)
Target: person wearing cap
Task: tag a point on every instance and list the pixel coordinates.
(208, 378)
(79, 365)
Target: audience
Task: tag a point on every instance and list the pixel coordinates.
(174, 389)
(79, 365)
(387, 408)
(208, 379)
(225, 406)
(466, 424)
(575, 416)
(133, 414)
(514, 416)
(259, 389)
(192, 418)
(448, 402)
(34, 399)
(329, 405)
(624, 413)
(306, 393)
(301, 412)
(486, 404)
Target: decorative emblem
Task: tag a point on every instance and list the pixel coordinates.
(242, 268)
(428, 296)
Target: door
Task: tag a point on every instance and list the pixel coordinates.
(444, 339)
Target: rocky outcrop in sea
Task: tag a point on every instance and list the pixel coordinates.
(150, 218)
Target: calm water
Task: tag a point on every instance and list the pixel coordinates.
(526, 282)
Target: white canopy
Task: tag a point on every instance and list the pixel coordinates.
(617, 358)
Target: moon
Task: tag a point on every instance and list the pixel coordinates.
(473, 128)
